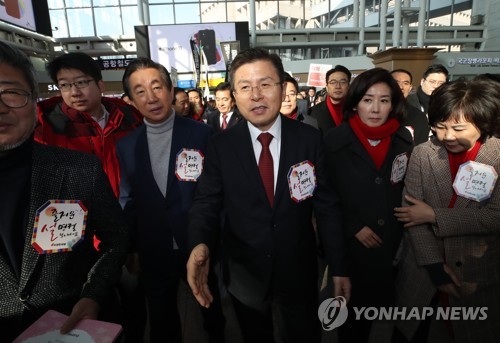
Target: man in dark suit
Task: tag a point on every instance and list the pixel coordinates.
(328, 113)
(255, 174)
(227, 114)
(36, 274)
(160, 163)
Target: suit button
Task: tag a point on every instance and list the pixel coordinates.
(380, 222)
(378, 180)
(458, 264)
(24, 297)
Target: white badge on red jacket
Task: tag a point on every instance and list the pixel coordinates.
(189, 164)
(475, 181)
(399, 165)
(59, 226)
(302, 181)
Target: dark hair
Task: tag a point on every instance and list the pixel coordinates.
(488, 76)
(144, 63)
(477, 100)
(363, 82)
(15, 58)
(338, 69)
(290, 79)
(195, 90)
(176, 91)
(75, 60)
(436, 69)
(401, 70)
(224, 86)
(252, 55)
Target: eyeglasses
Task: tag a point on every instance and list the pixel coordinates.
(335, 83)
(261, 88)
(65, 87)
(291, 95)
(14, 98)
(435, 82)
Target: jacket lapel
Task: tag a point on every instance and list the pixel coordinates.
(246, 158)
(180, 135)
(287, 154)
(46, 183)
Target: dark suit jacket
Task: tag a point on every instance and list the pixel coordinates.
(321, 113)
(417, 120)
(157, 219)
(57, 281)
(214, 119)
(368, 198)
(266, 249)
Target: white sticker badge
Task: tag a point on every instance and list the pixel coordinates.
(189, 165)
(59, 226)
(475, 181)
(399, 165)
(302, 181)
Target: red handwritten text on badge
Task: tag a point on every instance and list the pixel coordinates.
(188, 165)
(301, 181)
(475, 181)
(59, 226)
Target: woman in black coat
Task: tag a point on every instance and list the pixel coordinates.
(367, 157)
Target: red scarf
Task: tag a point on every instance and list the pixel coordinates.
(458, 159)
(335, 111)
(293, 115)
(382, 133)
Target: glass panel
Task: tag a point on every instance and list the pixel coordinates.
(130, 18)
(129, 2)
(106, 2)
(58, 22)
(107, 21)
(293, 12)
(213, 12)
(160, 1)
(80, 22)
(78, 3)
(161, 14)
(187, 14)
(55, 4)
(238, 11)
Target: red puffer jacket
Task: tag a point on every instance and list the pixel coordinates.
(60, 125)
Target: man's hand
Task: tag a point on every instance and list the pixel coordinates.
(416, 214)
(198, 266)
(342, 287)
(85, 308)
(368, 238)
(451, 288)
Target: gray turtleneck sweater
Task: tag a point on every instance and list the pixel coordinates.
(159, 145)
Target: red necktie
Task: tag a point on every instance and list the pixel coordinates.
(224, 121)
(266, 168)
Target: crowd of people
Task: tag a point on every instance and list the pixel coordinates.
(394, 190)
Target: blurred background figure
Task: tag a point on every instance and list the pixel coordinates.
(226, 114)
(292, 107)
(180, 103)
(433, 77)
(414, 119)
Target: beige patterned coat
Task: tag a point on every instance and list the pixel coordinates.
(468, 235)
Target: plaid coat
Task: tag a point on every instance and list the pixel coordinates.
(466, 236)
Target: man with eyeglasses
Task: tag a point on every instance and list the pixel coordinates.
(56, 273)
(292, 107)
(433, 77)
(81, 118)
(265, 176)
(226, 115)
(328, 113)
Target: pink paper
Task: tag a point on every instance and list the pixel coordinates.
(46, 329)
